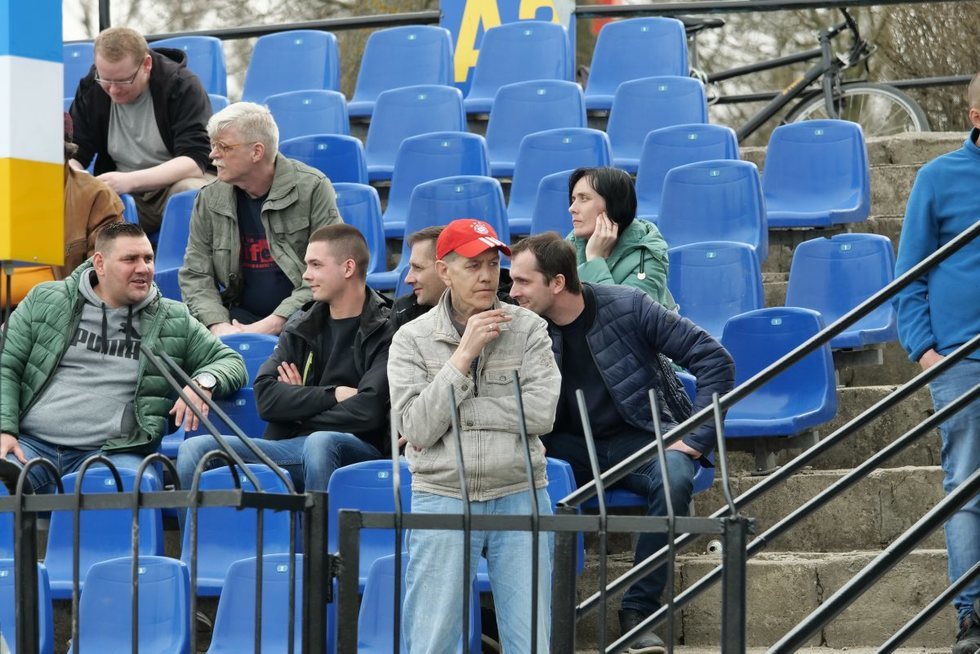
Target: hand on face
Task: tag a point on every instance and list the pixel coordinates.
(603, 239)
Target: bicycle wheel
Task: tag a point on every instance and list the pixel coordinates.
(879, 109)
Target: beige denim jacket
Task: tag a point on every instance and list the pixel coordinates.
(419, 377)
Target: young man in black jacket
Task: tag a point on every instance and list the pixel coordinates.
(324, 391)
(607, 340)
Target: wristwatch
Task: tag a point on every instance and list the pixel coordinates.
(206, 381)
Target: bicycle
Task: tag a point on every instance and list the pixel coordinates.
(880, 109)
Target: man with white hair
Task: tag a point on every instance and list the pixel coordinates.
(243, 268)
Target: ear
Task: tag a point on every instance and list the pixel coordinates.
(350, 269)
(975, 117)
(258, 152)
(442, 269)
(557, 284)
(148, 63)
(98, 262)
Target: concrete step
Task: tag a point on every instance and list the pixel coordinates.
(890, 187)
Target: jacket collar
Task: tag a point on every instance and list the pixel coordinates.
(314, 315)
(281, 194)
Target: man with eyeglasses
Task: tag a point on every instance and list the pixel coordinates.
(244, 263)
(141, 114)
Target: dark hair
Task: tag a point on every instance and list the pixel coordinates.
(554, 256)
(347, 243)
(616, 188)
(112, 231)
(424, 234)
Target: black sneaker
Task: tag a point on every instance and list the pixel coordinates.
(968, 638)
(649, 643)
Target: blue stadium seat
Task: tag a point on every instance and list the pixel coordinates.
(632, 49)
(241, 409)
(172, 242)
(714, 201)
(130, 214)
(105, 608)
(255, 349)
(375, 623)
(8, 616)
(643, 105)
(670, 147)
(834, 275)
(551, 205)
(234, 623)
(405, 112)
(817, 174)
(304, 113)
(218, 102)
(6, 530)
(527, 107)
(78, 60)
(205, 58)
(338, 156)
(401, 56)
(713, 281)
(427, 157)
(292, 61)
(360, 206)
(103, 534)
(367, 486)
(796, 400)
(401, 288)
(547, 152)
(226, 535)
(518, 52)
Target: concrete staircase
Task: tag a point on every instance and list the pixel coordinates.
(798, 571)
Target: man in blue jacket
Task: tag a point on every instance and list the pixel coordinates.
(614, 336)
(936, 314)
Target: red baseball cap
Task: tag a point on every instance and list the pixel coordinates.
(468, 237)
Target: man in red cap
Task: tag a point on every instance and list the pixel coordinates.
(472, 343)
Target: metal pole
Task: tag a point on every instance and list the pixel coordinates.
(563, 596)
(104, 22)
(734, 559)
(350, 544)
(317, 577)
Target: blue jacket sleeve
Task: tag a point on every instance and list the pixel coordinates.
(919, 239)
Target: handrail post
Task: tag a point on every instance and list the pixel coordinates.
(317, 574)
(734, 558)
(563, 596)
(25, 582)
(350, 543)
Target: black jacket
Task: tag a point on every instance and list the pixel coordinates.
(628, 333)
(298, 410)
(180, 103)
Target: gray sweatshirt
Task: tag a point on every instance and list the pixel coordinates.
(89, 398)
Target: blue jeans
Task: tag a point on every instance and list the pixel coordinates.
(644, 595)
(310, 460)
(68, 460)
(433, 621)
(960, 459)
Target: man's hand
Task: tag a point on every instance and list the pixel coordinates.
(9, 445)
(686, 449)
(222, 328)
(269, 325)
(119, 182)
(289, 374)
(603, 240)
(930, 358)
(481, 328)
(342, 393)
(183, 415)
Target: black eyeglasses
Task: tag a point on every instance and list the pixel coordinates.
(118, 82)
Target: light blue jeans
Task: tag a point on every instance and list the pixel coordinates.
(310, 460)
(433, 619)
(960, 459)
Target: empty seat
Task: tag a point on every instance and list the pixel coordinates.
(292, 61)
(105, 608)
(360, 206)
(713, 281)
(254, 349)
(527, 107)
(643, 105)
(338, 156)
(551, 205)
(427, 157)
(670, 147)
(172, 242)
(517, 52)
(834, 275)
(631, 49)
(714, 201)
(303, 113)
(547, 152)
(401, 56)
(240, 407)
(103, 534)
(797, 399)
(234, 623)
(405, 112)
(130, 215)
(205, 57)
(218, 102)
(78, 60)
(817, 174)
(8, 616)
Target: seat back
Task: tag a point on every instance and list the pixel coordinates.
(234, 623)
(78, 60)
(205, 57)
(360, 206)
(307, 112)
(643, 105)
(255, 349)
(401, 56)
(713, 281)
(8, 615)
(834, 275)
(527, 107)
(104, 610)
(551, 205)
(218, 102)
(632, 49)
(517, 52)
(292, 61)
(242, 409)
(6, 530)
(670, 147)
(175, 230)
(130, 214)
(338, 156)
(714, 201)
